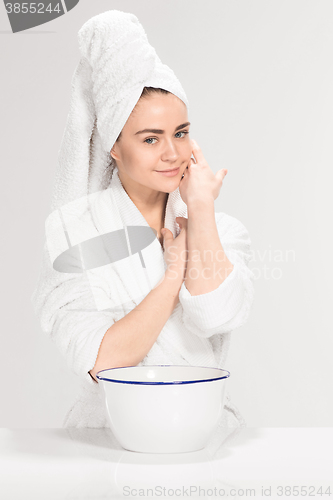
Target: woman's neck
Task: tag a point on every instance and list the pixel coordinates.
(151, 204)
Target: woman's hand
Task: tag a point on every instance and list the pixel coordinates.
(175, 251)
(199, 181)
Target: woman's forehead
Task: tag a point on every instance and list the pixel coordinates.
(155, 111)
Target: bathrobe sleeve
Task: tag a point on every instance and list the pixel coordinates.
(65, 306)
(228, 306)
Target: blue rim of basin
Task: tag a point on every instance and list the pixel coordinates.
(162, 383)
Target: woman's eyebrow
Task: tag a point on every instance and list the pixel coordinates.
(159, 131)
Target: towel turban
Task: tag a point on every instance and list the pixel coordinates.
(116, 63)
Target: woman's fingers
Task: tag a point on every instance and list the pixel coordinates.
(166, 233)
(221, 174)
(197, 153)
(181, 221)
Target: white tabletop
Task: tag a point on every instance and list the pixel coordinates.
(89, 464)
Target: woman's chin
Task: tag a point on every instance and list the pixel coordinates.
(169, 184)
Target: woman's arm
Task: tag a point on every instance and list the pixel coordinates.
(128, 340)
(228, 306)
(207, 265)
(217, 293)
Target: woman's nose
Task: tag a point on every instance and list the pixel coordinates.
(170, 152)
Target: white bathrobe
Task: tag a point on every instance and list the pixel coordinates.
(76, 309)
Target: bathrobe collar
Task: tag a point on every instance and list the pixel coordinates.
(126, 280)
(129, 279)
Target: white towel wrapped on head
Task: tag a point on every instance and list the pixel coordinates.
(116, 63)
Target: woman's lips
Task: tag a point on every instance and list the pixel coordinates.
(169, 173)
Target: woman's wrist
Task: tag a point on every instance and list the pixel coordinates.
(175, 277)
(198, 204)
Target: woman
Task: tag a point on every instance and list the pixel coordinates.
(146, 167)
(127, 131)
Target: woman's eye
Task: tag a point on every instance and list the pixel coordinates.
(150, 139)
(154, 138)
(183, 132)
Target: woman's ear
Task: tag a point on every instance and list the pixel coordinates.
(114, 154)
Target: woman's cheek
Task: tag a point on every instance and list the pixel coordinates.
(189, 151)
(185, 153)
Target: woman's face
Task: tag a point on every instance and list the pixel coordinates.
(155, 138)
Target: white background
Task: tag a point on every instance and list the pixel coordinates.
(259, 77)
